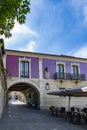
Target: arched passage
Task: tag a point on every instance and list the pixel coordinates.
(29, 91)
(16, 96)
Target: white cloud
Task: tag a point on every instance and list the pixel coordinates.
(18, 32)
(31, 46)
(80, 52)
(22, 29)
(80, 6)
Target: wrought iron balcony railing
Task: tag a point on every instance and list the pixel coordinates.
(68, 76)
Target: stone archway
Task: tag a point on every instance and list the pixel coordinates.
(28, 89)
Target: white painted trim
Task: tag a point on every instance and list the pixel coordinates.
(77, 64)
(60, 62)
(40, 69)
(25, 59)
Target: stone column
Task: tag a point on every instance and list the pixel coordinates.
(40, 83)
(40, 69)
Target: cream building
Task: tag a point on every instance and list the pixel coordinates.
(35, 74)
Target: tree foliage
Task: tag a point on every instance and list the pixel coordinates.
(11, 10)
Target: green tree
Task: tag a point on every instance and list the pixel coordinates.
(11, 10)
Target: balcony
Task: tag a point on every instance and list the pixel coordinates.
(68, 76)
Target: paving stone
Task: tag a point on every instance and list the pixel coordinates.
(21, 117)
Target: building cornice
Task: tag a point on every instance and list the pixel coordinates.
(46, 56)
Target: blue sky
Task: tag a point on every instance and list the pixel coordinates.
(53, 27)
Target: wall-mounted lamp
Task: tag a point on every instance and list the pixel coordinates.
(47, 86)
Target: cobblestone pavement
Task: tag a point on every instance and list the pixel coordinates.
(20, 117)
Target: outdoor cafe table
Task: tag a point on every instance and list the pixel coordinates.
(76, 117)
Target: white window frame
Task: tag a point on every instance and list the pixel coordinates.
(28, 60)
(76, 64)
(62, 63)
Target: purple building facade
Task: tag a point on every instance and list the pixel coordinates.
(12, 65)
(35, 74)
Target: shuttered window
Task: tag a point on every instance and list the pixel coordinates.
(75, 71)
(24, 69)
(60, 70)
